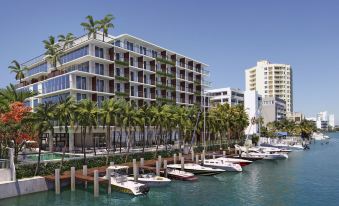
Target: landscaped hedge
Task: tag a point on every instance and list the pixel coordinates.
(48, 168)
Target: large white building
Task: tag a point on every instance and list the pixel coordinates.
(252, 105)
(271, 80)
(225, 95)
(123, 66)
(331, 122)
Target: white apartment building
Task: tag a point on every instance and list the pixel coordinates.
(225, 95)
(271, 80)
(121, 66)
(324, 120)
(252, 105)
(331, 121)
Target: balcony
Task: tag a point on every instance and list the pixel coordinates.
(121, 78)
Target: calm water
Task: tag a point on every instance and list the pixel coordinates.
(306, 178)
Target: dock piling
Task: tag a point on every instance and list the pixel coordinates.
(165, 167)
(135, 170)
(157, 168)
(182, 163)
(175, 159)
(192, 154)
(108, 176)
(197, 159)
(180, 156)
(111, 164)
(57, 181)
(159, 160)
(214, 157)
(142, 162)
(96, 183)
(84, 172)
(224, 153)
(72, 178)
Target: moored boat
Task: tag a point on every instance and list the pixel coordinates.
(152, 180)
(221, 164)
(181, 175)
(197, 169)
(241, 162)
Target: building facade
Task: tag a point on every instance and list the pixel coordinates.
(273, 109)
(296, 117)
(116, 67)
(252, 105)
(227, 95)
(271, 80)
(331, 122)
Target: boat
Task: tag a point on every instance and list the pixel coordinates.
(152, 180)
(181, 175)
(241, 162)
(221, 164)
(296, 147)
(197, 169)
(319, 136)
(249, 158)
(265, 155)
(121, 183)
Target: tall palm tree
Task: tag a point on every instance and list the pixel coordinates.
(18, 70)
(53, 51)
(42, 121)
(91, 27)
(67, 41)
(128, 120)
(64, 112)
(105, 24)
(86, 116)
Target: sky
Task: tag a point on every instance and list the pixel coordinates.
(230, 36)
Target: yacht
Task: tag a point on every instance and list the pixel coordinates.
(197, 169)
(221, 164)
(241, 162)
(180, 175)
(121, 183)
(152, 180)
(266, 155)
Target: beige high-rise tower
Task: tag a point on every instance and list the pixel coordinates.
(271, 80)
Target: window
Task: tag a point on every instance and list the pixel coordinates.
(132, 76)
(99, 52)
(81, 96)
(100, 100)
(118, 87)
(99, 68)
(130, 46)
(100, 85)
(55, 84)
(74, 54)
(117, 43)
(154, 54)
(142, 50)
(35, 103)
(118, 71)
(35, 88)
(117, 56)
(37, 69)
(81, 82)
(55, 98)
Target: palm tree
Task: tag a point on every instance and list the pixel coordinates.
(10, 94)
(105, 24)
(67, 41)
(128, 119)
(42, 121)
(65, 116)
(53, 51)
(91, 26)
(86, 116)
(18, 70)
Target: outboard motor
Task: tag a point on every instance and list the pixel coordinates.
(144, 189)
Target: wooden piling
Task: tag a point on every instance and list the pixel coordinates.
(165, 167)
(224, 153)
(175, 159)
(182, 163)
(180, 156)
(57, 181)
(111, 164)
(84, 172)
(96, 183)
(135, 170)
(72, 178)
(108, 176)
(214, 157)
(157, 168)
(197, 159)
(142, 162)
(160, 162)
(192, 154)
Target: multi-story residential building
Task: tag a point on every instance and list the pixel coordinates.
(325, 121)
(271, 80)
(116, 67)
(225, 95)
(296, 117)
(273, 109)
(252, 105)
(331, 122)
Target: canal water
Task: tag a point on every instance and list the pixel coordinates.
(306, 178)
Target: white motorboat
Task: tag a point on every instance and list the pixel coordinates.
(121, 183)
(296, 147)
(221, 164)
(265, 155)
(180, 175)
(152, 180)
(241, 162)
(197, 169)
(319, 136)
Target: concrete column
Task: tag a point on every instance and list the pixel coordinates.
(159, 160)
(175, 159)
(12, 164)
(157, 168)
(96, 183)
(224, 153)
(108, 176)
(182, 163)
(84, 172)
(57, 181)
(72, 178)
(165, 167)
(192, 155)
(135, 170)
(71, 141)
(197, 159)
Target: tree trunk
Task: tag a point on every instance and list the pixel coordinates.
(39, 157)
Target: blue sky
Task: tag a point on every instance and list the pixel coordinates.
(230, 36)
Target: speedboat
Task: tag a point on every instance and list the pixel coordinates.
(265, 155)
(221, 164)
(180, 175)
(197, 169)
(152, 180)
(241, 162)
(296, 147)
(121, 183)
(319, 136)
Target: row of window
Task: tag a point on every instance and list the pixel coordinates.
(55, 84)
(74, 54)
(81, 83)
(84, 67)
(37, 69)
(54, 99)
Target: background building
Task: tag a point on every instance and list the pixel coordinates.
(271, 80)
(273, 109)
(252, 105)
(331, 121)
(225, 95)
(295, 117)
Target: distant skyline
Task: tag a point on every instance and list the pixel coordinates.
(230, 36)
